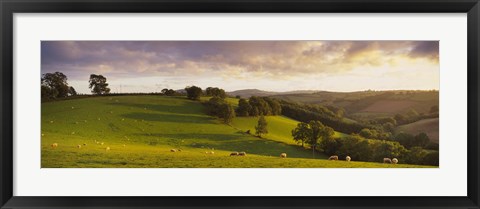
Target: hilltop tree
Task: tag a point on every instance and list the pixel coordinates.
(98, 84)
(275, 107)
(261, 105)
(301, 133)
(193, 92)
(71, 91)
(215, 92)
(168, 92)
(244, 108)
(54, 85)
(261, 127)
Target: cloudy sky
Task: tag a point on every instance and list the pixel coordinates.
(149, 66)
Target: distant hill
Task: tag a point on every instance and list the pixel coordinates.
(428, 126)
(370, 103)
(245, 93)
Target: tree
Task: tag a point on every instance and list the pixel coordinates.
(71, 91)
(193, 92)
(275, 107)
(168, 92)
(319, 132)
(261, 127)
(244, 108)
(227, 113)
(98, 84)
(422, 140)
(261, 105)
(301, 133)
(215, 92)
(54, 85)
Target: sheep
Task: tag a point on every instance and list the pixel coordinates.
(123, 119)
(394, 160)
(73, 132)
(283, 155)
(242, 154)
(84, 144)
(98, 118)
(43, 134)
(101, 143)
(73, 108)
(173, 150)
(79, 146)
(54, 145)
(107, 149)
(387, 160)
(209, 152)
(348, 158)
(179, 150)
(51, 121)
(333, 157)
(234, 154)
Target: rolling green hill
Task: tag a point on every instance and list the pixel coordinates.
(140, 131)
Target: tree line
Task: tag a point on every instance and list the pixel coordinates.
(256, 106)
(306, 113)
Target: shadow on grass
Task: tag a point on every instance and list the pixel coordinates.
(166, 105)
(238, 142)
(171, 118)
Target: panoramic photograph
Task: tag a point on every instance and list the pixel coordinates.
(240, 104)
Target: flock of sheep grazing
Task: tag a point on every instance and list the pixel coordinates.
(79, 146)
(348, 159)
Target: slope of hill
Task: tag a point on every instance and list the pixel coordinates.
(140, 131)
(279, 127)
(428, 126)
(245, 93)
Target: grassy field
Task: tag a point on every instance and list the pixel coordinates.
(140, 131)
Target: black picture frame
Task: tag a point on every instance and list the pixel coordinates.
(9, 7)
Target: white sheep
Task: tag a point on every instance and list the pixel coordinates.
(79, 146)
(54, 145)
(333, 157)
(283, 155)
(387, 160)
(394, 160)
(242, 154)
(348, 158)
(107, 149)
(173, 150)
(234, 154)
